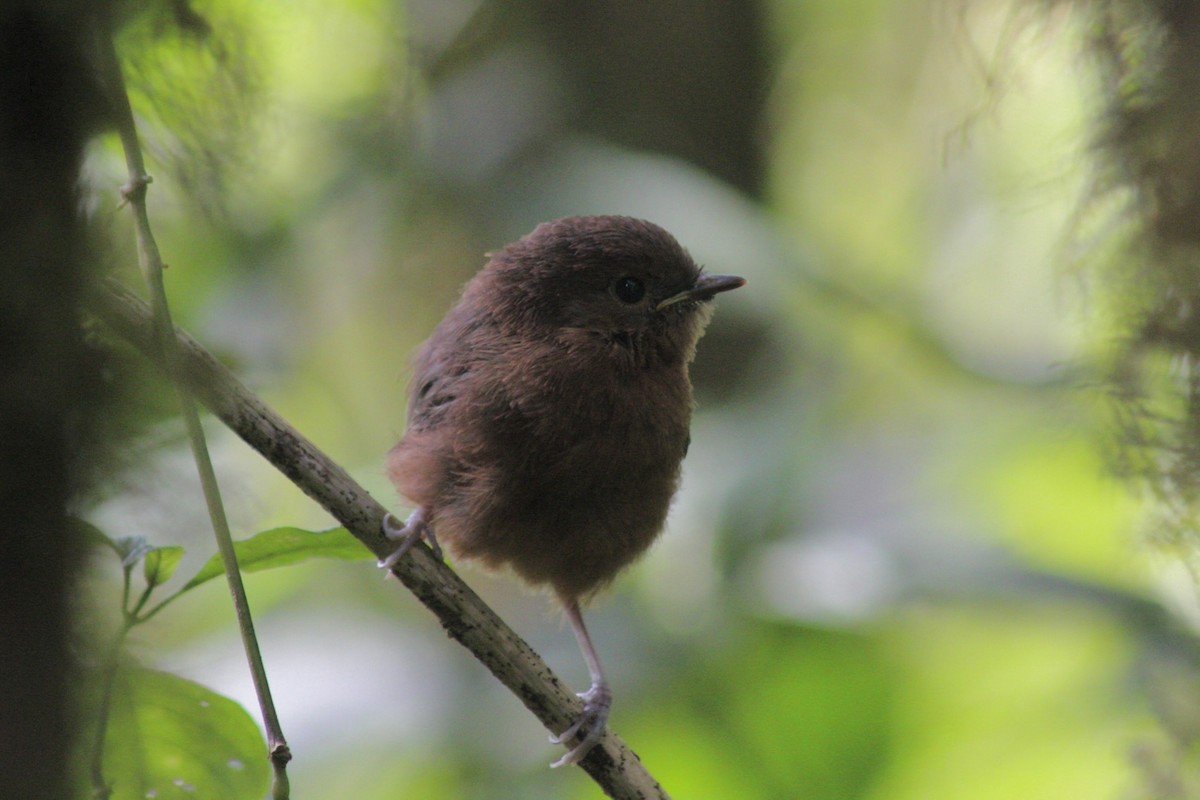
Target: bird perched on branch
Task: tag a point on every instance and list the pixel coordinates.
(548, 415)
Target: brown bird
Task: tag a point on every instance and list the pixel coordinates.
(548, 415)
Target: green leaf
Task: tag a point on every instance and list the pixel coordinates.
(93, 536)
(280, 547)
(160, 563)
(171, 738)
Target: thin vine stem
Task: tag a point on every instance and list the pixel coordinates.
(152, 266)
(112, 661)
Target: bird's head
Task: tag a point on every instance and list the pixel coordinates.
(624, 281)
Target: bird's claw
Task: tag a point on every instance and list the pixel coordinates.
(597, 701)
(412, 531)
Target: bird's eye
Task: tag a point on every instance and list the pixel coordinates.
(629, 289)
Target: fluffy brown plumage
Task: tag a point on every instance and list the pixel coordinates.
(549, 411)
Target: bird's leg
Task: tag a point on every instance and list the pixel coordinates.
(596, 701)
(414, 529)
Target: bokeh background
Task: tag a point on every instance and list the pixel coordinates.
(899, 566)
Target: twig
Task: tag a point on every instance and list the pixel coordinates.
(101, 790)
(465, 617)
(151, 264)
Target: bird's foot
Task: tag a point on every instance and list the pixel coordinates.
(412, 531)
(597, 701)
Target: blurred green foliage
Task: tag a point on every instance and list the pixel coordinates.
(898, 568)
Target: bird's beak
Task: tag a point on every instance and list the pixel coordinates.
(705, 288)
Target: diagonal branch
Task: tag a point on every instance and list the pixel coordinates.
(465, 617)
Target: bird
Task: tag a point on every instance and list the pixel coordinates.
(549, 413)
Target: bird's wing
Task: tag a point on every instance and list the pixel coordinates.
(449, 367)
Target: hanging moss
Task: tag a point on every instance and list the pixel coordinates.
(1148, 145)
